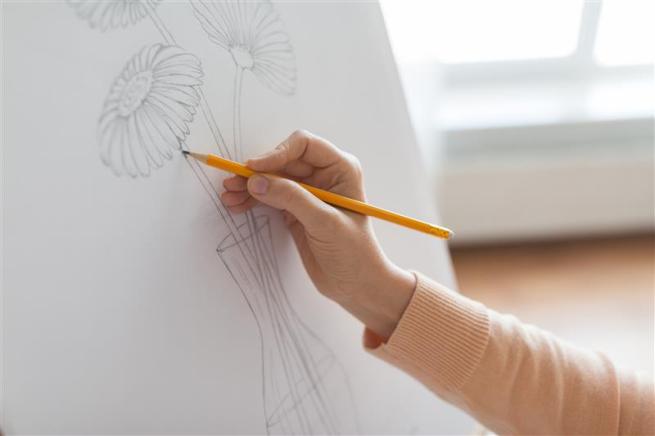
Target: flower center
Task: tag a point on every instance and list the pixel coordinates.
(242, 56)
(135, 92)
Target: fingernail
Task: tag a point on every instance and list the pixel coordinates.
(258, 185)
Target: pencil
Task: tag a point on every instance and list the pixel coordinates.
(331, 198)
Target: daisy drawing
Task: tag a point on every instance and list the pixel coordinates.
(147, 113)
(113, 14)
(254, 35)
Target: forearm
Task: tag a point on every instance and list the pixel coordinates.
(512, 377)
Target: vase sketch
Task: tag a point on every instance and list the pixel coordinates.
(305, 390)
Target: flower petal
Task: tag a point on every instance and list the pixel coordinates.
(214, 21)
(108, 139)
(115, 152)
(270, 77)
(174, 107)
(157, 148)
(162, 127)
(112, 14)
(179, 79)
(256, 28)
(151, 54)
(183, 95)
(148, 110)
(137, 148)
(181, 60)
(173, 113)
(126, 160)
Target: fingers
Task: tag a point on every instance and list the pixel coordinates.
(302, 156)
(233, 198)
(300, 146)
(235, 183)
(315, 216)
(245, 206)
(236, 197)
(298, 169)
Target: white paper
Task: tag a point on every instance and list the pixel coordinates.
(129, 306)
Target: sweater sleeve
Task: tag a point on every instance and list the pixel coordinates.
(512, 377)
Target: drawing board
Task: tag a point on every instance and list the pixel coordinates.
(133, 302)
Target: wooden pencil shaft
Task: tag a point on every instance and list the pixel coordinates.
(333, 199)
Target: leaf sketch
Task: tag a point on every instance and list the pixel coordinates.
(145, 118)
(106, 15)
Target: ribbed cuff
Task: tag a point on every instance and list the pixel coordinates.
(440, 338)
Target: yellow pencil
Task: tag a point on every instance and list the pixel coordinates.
(331, 197)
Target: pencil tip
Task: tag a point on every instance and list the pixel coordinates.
(197, 156)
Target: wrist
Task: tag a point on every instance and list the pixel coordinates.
(382, 302)
(393, 297)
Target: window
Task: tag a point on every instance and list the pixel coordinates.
(475, 31)
(479, 31)
(526, 62)
(626, 33)
(535, 115)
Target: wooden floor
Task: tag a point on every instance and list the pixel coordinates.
(594, 293)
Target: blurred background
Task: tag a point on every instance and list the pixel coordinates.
(536, 123)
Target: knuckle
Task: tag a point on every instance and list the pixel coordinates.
(354, 164)
(299, 140)
(299, 134)
(284, 145)
(296, 144)
(290, 195)
(283, 151)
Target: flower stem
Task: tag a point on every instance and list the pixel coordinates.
(159, 24)
(204, 106)
(216, 133)
(236, 121)
(290, 342)
(238, 152)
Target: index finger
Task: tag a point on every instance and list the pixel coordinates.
(301, 145)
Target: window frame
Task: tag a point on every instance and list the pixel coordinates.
(581, 64)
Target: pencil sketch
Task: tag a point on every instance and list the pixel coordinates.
(252, 33)
(254, 36)
(106, 15)
(147, 117)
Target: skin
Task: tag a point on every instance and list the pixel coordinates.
(338, 248)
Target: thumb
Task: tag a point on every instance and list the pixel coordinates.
(288, 195)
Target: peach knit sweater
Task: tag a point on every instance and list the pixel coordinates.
(512, 377)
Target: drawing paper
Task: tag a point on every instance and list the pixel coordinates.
(133, 303)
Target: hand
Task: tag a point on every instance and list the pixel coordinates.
(338, 248)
